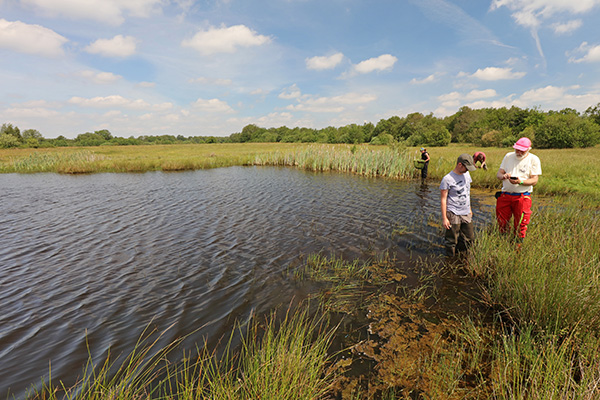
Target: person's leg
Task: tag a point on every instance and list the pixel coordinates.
(451, 235)
(467, 235)
(503, 211)
(523, 210)
(424, 171)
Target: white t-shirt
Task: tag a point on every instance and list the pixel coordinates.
(522, 169)
(459, 192)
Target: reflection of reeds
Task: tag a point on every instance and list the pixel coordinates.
(279, 359)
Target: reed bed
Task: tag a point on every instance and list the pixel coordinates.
(380, 161)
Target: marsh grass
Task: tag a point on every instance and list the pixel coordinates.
(555, 288)
(381, 161)
(280, 358)
(565, 171)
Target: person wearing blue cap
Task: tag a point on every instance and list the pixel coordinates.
(425, 157)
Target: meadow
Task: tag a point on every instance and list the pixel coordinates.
(544, 298)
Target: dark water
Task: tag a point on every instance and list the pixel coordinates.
(97, 258)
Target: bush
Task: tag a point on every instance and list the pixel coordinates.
(7, 141)
(382, 139)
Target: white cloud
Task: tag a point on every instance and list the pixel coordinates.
(450, 97)
(119, 46)
(381, 63)
(481, 94)
(118, 101)
(529, 12)
(544, 94)
(495, 74)
(146, 84)
(325, 62)
(211, 81)
(333, 104)
(454, 99)
(590, 53)
(99, 77)
(213, 106)
(31, 112)
(292, 92)
(224, 40)
(107, 11)
(567, 27)
(430, 79)
(30, 39)
(271, 119)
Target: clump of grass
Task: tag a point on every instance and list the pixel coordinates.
(279, 359)
(529, 366)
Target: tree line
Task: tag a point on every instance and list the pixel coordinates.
(499, 127)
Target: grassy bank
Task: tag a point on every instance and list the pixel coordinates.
(73, 160)
(565, 171)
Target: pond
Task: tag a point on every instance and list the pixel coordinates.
(92, 260)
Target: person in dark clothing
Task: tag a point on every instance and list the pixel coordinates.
(425, 157)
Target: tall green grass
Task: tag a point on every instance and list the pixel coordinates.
(279, 359)
(553, 280)
(362, 160)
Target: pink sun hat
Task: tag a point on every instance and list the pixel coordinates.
(522, 144)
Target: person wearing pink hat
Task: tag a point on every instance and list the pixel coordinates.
(519, 172)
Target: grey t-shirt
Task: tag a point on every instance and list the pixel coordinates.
(459, 192)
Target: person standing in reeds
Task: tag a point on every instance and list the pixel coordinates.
(455, 199)
(424, 157)
(519, 172)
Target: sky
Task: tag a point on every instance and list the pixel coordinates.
(211, 67)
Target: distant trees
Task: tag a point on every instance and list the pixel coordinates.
(566, 130)
(481, 127)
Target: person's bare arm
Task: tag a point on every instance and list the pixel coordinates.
(444, 207)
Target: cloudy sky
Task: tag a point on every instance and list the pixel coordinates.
(210, 67)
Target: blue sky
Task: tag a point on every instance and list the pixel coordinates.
(211, 67)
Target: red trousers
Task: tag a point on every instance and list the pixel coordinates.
(518, 207)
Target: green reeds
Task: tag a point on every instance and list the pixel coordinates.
(361, 160)
(279, 359)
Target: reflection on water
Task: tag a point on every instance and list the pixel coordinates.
(105, 255)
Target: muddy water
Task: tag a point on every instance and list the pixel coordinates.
(98, 258)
